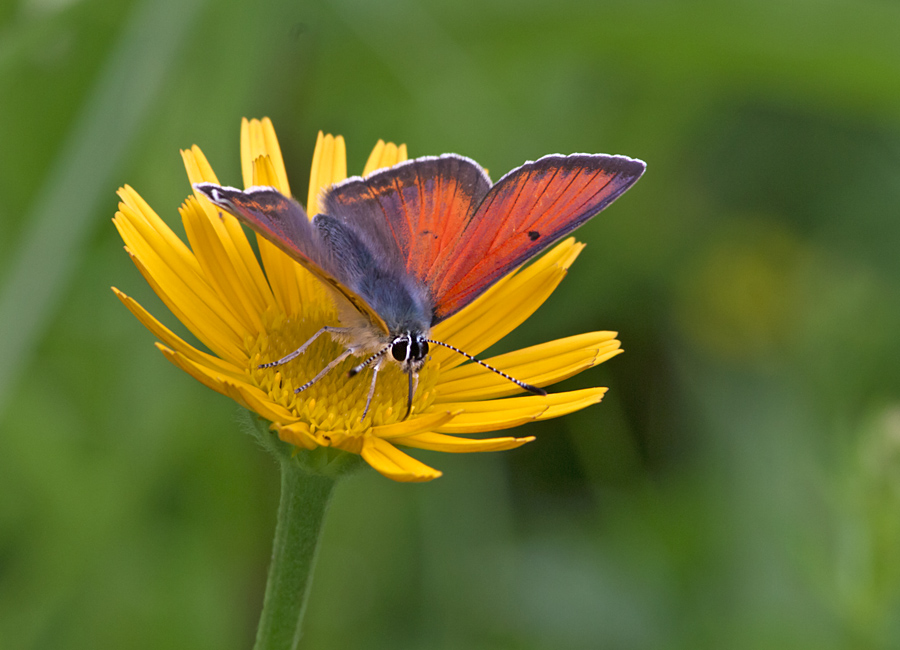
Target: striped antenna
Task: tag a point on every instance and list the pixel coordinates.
(355, 370)
(520, 384)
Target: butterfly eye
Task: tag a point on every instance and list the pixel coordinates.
(418, 348)
(400, 349)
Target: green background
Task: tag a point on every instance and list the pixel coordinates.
(739, 487)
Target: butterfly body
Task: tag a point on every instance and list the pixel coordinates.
(409, 246)
(404, 303)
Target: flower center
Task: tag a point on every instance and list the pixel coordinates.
(335, 402)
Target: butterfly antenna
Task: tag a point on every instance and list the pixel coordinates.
(355, 370)
(520, 384)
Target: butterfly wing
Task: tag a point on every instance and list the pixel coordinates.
(413, 213)
(528, 209)
(284, 222)
(442, 221)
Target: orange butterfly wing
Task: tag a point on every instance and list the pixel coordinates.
(417, 209)
(528, 209)
(457, 234)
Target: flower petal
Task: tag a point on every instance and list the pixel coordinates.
(501, 416)
(192, 301)
(453, 444)
(218, 268)
(539, 365)
(384, 155)
(258, 139)
(488, 415)
(197, 166)
(413, 426)
(571, 401)
(297, 434)
(205, 375)
(229, 232)
(248, 396)
(294, 282)
(144, 220)
(167, 336)
(393, 463)
(329, 166)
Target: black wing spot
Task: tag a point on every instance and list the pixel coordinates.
(533, 235)
(424, 233)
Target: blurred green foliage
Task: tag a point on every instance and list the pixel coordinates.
(738, 488)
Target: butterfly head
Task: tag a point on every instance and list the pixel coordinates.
(409, 350)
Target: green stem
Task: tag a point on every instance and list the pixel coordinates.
(301, 514)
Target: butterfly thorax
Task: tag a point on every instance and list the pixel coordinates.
(406, 309)
(379, 278)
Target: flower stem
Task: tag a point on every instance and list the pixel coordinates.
(301, 514)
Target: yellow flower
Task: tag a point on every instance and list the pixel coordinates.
(247, 314)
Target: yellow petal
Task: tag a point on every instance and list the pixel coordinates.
(488, 415)
(340, 439)
(167, 336)
(170, 268)
(264, 172)
(197, 166)
(559, 257)
(229, 232)
(288, 276)
(571, 401)
(219, 269)
(452, 444)
(195, 305)
(144, 220)
(258, 139)
(256, 400)
(179, 361)
(250, 397)
(413, 426)
(393, 463)
(539, 365)
(329, 166)
(384, 155)
(282, 271)
(503, 416)
(292, 285)
(297, 434)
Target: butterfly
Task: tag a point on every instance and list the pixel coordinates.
(406, 247)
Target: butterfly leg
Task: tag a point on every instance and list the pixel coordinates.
(343, 355)
(296, 353)
(375, 370)
(355, 370)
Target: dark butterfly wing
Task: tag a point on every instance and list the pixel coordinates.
(414, 213)
(284, 222)
(528, 209)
